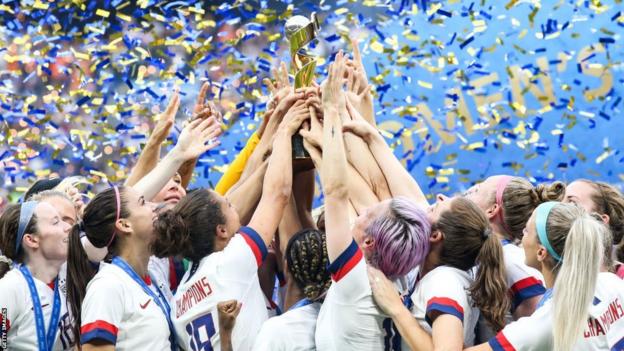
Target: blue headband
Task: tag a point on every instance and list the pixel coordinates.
(541, 218)
(27, 209)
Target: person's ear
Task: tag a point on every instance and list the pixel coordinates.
(221, 231)
(493, 211)
(368, 243)
(542, 253)
(436, 236)
(31, 241)
(123, 225)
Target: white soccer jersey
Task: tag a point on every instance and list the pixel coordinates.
(523, 281)
(444, 290)
(117, 310)
(20, 326)
(159, 270)
(293, 330)
(349, 318)
(604, 331)
(224, 275)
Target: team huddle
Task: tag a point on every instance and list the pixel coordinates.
(249, 265)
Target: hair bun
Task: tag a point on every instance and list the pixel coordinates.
(550, 192)
(172, 235)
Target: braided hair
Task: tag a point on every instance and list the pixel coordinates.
(307, 260)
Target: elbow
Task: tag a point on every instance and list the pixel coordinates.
(336, 190)
(281, 195)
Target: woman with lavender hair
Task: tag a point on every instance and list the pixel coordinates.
(392, 236)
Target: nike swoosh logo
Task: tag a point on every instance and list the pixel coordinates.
(143, 306)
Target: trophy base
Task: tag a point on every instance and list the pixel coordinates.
(298, 150)
(301, 157)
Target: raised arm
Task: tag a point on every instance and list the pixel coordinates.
(202, 110)
(151, 152)
(246, 195)
(400, 182)
(193, 141)
(334, 162)
(277, 185)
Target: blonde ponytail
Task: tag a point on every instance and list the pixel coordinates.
(576, 280)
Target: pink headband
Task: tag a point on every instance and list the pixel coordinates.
(500, 189)
(118, 200)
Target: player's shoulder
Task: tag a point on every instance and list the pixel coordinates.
(609, 285)
(109, 277)
(453, 275)
(12, 282)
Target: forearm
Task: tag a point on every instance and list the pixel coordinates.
(289, 225)
(246, 195)
(334, 163)
(226, 340)
(186, 172)
(153, 182)
(411, 332)
(360, 156)
(148, 159)
(276, 188)
(360, 194)
(400, 181)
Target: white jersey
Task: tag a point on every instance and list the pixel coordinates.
(159, 270)
(224, 275)
(118, 311)
(349, 318)
(604, 330)
(293, 330)
(19, 320)
(523, 281)
(444, 291)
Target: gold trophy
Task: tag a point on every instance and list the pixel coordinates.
(300, 31)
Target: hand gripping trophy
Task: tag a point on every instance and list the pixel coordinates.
(300, 31)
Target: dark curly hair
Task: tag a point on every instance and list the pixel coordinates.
(188, 230)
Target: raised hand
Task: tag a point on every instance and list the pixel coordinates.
(198, 137)
(358, 89)
(331, 89)
(357, 125)
(165, 120)
(298, 113)
(312, 132)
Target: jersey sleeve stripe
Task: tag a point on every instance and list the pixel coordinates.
(348, 259)
(500, 343)
(618, 345)
(525, 289)
(98, 330)
(444, 305)
(255, 242)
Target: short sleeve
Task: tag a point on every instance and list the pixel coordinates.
(242, 256)
(522, 282)
(445, 295)
(527, 333)
(348, 272)
(102, 312)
